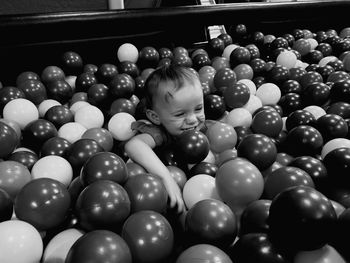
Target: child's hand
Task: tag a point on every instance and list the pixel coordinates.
(175, 195)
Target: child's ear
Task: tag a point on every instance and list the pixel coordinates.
(153, 116)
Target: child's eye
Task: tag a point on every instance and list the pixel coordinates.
(199, 108)
(180, 114)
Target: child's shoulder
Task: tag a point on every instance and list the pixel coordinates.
(157, 132)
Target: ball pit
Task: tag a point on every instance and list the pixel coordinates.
(276, 149)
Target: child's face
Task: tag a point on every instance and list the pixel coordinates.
(183, 109)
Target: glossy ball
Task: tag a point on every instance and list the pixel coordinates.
(103, 204)
(283, 178)
(254, 217)
(43, 202)
(84, 81)
(20, 242)
(148, 57)
(301, 218)
(20, 110)
(98, 95)
(14, 176)
(8, 139)
(221, 137)
(55, 146)
(193, 146)
(27, 158)
(203, 253)
(178, 175)
(199, 187)
(233, 185)
(334, 144)
(340, 91)
(90, 117)
(214, 106)
(120, 126)
(299, 117)
(34, 90)
(59, 90)
(316, 94)
(211, 222)
(258, 149)
(59, 115)
(268, 93)
(236, 95)
(149, 236)
(304, 140)
(332, 126)
(146, 192)
(90, 246)
(337, 165)
(240, 55)
(6, 206)
(121, 86)
(54, 167)
(101, 135)
(81, 150)
(267, 122)
(127, 52)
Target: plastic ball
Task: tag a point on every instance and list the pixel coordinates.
(258, 149)
(122, 105)
(299, 117)
(120, 126)
(55, 146)
(243, 71)
(43, 202)
(253, 104)
(203, 253)
(101, 135)
(45, 105)
(223, 78)
(315, 110)
(193, 146)
(103, 204)
(337, 165)
(214, 106)
(127, 52)
(58, 247)
(334, 144)
(199, 187)
(104, 166)
(149, 236)
(14, 176)
(89, 116)
(59, 115)
(6, 206)
(21, 110)
(254, 217)
(267, 122)
(89, 246)
(236, 95)
(34, 90)
(304, 140)
(283, 178)
(286, 59)
(36, 133)
(255, 247)
(301, 218)
(134, 169)
(20, 242)
(251, 85)
(339, 108)
(78, 105)
(211, 222)
(71, 131)
(8, 139)
(203, 168)
(315, 168)
(54, 167)
(146, 192)
(239, 117)
(326, 253)
(221, 137)
(80, 151)
(178, 175)
(332, 126)
(238, 183)
(268, 93)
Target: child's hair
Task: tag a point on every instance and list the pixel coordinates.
(168, 73)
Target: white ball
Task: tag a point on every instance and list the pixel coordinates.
(120, 126)
(239, 117)
(334, 144)
(324, 61)
(45, 105)
(71, 81)
(20, 242)
(287, 59)
(313, 42)
(315, 110)
(268, 93)
(253, 104)
(58, 247)
(54, 167)
(71, 131)
(78, 105)
(128, 52)
(90, 117)
(251, 85)
(22, 111)
(228, 49)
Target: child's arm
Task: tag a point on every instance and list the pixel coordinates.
(140, 150)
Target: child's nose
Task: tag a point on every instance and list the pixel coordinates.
(191, 118)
